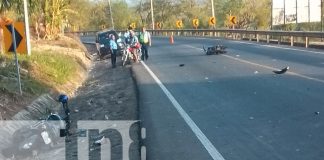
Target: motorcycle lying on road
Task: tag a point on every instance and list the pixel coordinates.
(217, 49)
(41, 136)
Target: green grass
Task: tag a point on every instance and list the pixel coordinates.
(9, 82)
(46, 70)
(55, 67)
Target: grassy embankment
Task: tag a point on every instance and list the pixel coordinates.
(54, 66)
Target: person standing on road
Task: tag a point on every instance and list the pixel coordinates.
(113, 50)
(127, 33)
(145, 40)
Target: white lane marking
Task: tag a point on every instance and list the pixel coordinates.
(143, 153)
(213, 152)
(267, 67)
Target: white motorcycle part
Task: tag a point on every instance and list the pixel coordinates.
(46, 138)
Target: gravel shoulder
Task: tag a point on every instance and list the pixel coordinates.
(108, 95)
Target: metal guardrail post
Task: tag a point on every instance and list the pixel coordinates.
(258, 38)
(279, 40)
(291, 40)
(250, 37)
(307, 42)
(268, 38)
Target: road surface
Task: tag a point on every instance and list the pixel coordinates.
(231, 106)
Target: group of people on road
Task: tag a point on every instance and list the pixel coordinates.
(142, 42)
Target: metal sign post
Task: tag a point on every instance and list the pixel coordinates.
(16, 57)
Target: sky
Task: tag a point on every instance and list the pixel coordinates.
(132, 2)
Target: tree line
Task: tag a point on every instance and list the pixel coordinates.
(49, 18)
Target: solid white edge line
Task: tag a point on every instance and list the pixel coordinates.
(213, 152)
(266, 67)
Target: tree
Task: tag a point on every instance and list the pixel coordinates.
(123, 15)
(5, 5)
(80, 20)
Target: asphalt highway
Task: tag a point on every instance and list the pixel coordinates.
(231, 106)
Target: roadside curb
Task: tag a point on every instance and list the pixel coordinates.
(139, 134)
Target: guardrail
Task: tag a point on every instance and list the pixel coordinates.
(258, 35)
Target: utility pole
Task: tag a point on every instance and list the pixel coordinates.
(111, 16)
(308, 11)
(271, 18)
(213, 10)
(321, 19)
(152, 14)
(284, 13)
(27, 28)
(297, 25)
(322, 16)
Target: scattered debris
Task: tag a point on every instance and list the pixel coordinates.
(100, 140)
(181, 65)
(251, 118)
(237, 55)
(256, 72)
(317, 113)
(119, 102)
(90, 102)
(76, 110)
(106, 117)
(284, 70)
(206, 78)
